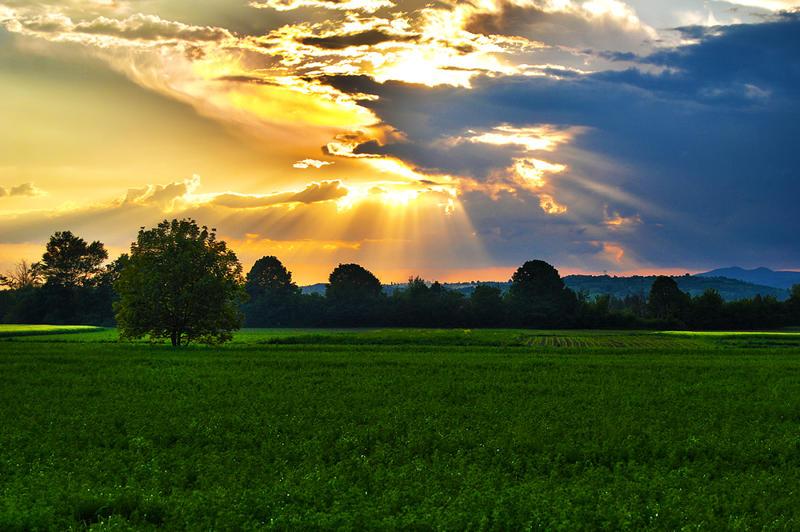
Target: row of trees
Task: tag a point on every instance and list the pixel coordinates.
(537, 297)
(69, 285)
(180, 282)
(355, 297)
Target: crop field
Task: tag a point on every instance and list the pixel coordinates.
(400, 428)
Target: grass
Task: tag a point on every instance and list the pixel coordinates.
(7, 331)
(402, 429)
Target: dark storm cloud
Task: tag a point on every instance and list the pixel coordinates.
(574, 28)
(364, 38)
(704, 150)
(743, 62)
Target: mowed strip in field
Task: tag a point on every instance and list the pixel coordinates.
(402, 428)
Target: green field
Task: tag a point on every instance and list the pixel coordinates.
(448, 429)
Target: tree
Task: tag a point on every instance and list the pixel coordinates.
(24, 275)
(793, 305)
(707, 310)
(180, 283)
(539, 297)
(486, 305)
(269, 276)
(420, 305)
(666, 301)
(411, 305)
(352, 283)
(353, 294)
(273, 294)
(69, 261)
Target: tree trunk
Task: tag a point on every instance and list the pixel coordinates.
(176, 340)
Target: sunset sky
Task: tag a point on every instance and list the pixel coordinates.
(453, 140)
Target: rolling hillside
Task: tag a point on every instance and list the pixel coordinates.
(759, 276)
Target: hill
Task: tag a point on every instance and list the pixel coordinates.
(760, 276)
(729, 289)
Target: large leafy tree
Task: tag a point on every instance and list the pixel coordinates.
(273, 294)
(180, 283)
(70, 261)
(538, 296)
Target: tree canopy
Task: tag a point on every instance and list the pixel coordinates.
(70, 261)
(351, 282)
(538, 295)
(269, 277)
(666, 301)
(353, 293)
(180, 283)
(273, 295)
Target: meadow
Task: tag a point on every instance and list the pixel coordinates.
(400, 428)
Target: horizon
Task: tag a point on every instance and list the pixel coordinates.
(448, 140)
(497, 274)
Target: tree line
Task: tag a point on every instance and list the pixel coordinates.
(181, 283)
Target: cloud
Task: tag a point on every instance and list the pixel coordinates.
(736, 65)
(313, 193)
(137, 27)
(559, 129)
(362, 38)
(343, 5)
(325, 191)
(167, 197)
(769, 4)
(310, 163)
(309, 229)
(602, 24)
(150, 27)
(22, 190)
(688, 158)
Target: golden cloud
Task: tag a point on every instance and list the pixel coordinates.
(343, 5)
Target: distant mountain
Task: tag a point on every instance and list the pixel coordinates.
(729, 289)
(760, 276)
(318, 288)
(595, 285)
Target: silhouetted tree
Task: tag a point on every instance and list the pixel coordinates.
(24, 275)
(793, 306)
(70, 261)
(273, 295)
(707, 311)
(538, 296)
(486, 306)
(353, 294)
(69, 268)
(666, 301)
(180, 283)
(411, 305)
(351, 282)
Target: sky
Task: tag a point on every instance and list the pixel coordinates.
(451, 140)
